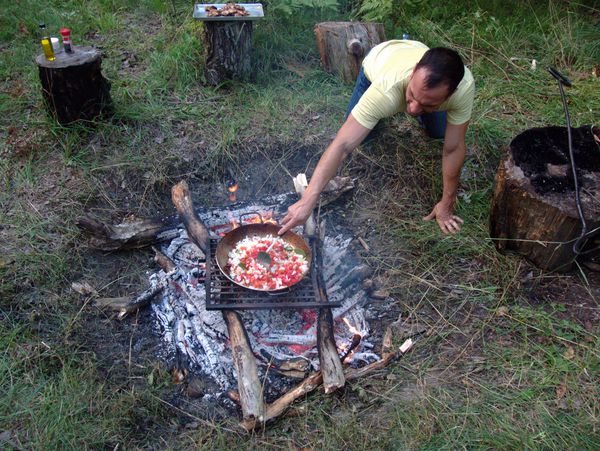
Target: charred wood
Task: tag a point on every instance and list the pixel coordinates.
(126, 305)
(331, 365)
(249, 386)
(163, 261)
(128, 235)
(313, 381)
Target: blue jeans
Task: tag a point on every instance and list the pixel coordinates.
(433, 123)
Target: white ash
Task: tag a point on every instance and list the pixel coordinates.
(198, 337)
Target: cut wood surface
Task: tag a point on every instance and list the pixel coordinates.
(228, 50)
(533, 207)
(73, 86)
(343, 46)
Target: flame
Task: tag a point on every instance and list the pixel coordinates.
(351, 328)
(232, 187)
(267, 217)
(234, 223)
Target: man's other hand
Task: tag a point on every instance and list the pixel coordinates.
(448, 222)
(297, 214)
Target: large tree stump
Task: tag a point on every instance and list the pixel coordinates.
(533, 208)
(228, 50)
(73, 86)
(343, 46)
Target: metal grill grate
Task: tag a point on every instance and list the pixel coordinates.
(223, 294)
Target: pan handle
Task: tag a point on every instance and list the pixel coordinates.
(250, 213)
(285, 290)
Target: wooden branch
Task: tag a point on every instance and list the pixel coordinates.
(126, 305)
(128, 235)
(277, 407)
(249, 386)
(331, 365)
(355, 373)
(197, 232)
(312, 382)
(163, 261)
(335, 188)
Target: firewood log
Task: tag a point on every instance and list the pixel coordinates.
(249, 386)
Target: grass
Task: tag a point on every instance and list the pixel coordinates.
(496, 369)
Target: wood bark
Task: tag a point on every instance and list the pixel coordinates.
(128, 235)
(313, 381)
(331, 365)
(249, 386)
(329, 360)
(73, 86)
(540, 227)
(228, 50)
(343, 46)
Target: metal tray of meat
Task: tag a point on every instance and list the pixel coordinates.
(255, 10)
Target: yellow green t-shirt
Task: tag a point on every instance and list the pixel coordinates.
(388, 67)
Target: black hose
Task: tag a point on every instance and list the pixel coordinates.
(562, 80)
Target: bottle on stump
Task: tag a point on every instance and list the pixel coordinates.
(73, 86)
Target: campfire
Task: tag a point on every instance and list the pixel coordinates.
(254, 346)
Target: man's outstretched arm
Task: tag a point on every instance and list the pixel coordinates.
(453, 157)
(350, 135)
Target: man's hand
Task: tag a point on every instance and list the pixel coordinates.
(297, 214)
(448, 222)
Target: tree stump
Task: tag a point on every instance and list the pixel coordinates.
(228, 49)
(343, 46)
(533, 207)
(73, 86)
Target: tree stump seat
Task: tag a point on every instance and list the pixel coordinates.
(73, 86)
(228, 50)
(533, 207)
(343, 46)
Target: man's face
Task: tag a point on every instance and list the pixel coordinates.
(421, 100)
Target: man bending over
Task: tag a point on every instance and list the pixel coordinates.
(402, 76)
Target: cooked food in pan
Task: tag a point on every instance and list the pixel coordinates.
(230, 9)
(251, 267)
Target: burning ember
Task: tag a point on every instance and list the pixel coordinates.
(283, 341)
(232, 187)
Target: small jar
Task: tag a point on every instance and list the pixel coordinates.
(55, 44)
(66, 36)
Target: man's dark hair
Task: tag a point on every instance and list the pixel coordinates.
(444, 66)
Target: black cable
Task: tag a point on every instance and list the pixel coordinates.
(562, 80)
